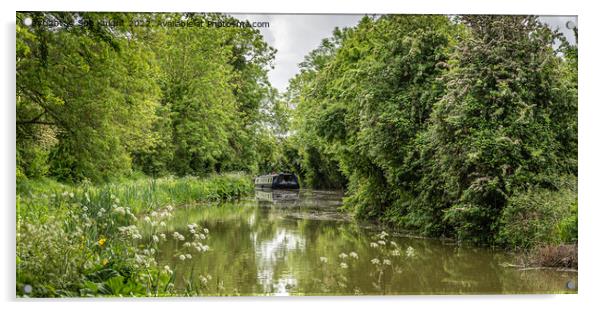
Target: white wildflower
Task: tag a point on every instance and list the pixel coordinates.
(382, 242)
(410, 252)
(188, 256)
(203, 280)
(386, 262)
(178, 236)
(155, 238)
(343, 255)
(323, 259)
(119, 210)
(353, 255)
(344, 265)
(375, 261)
(374, 244)
(182, 257)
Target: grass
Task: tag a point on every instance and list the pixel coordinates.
(90, 240)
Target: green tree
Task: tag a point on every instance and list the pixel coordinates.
(82, 95)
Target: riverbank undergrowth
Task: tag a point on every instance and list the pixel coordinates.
(89, 240)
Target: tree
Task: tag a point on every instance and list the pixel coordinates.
(82, 94)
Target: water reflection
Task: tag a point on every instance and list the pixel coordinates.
(283, 197)
(270, 253)
(281, 243)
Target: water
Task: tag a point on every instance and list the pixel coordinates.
(290, 243)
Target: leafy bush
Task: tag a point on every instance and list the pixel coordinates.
(539, 216)
(568, 228)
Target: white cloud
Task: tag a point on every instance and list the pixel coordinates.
(295, 35)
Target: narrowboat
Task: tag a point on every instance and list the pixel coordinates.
(277, 181)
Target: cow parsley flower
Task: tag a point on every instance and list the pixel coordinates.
(410, 252)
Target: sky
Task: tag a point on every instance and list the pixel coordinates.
(294, 36)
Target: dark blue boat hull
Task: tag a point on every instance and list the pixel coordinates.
(278, 181)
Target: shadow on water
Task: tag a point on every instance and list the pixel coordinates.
(286, 242)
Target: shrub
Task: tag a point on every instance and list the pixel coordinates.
(539, 216)
(568, 226)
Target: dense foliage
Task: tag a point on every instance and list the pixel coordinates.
(99, 96)
(450, 127)
(91, 240)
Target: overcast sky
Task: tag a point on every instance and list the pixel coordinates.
(296, 35)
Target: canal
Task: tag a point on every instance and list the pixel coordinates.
(298, 243)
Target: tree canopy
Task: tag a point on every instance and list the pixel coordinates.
(99, 96)
(433, 123)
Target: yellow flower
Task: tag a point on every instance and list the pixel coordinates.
(102, 241)
(105, 262)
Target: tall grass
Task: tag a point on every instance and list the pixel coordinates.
(140, 195)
